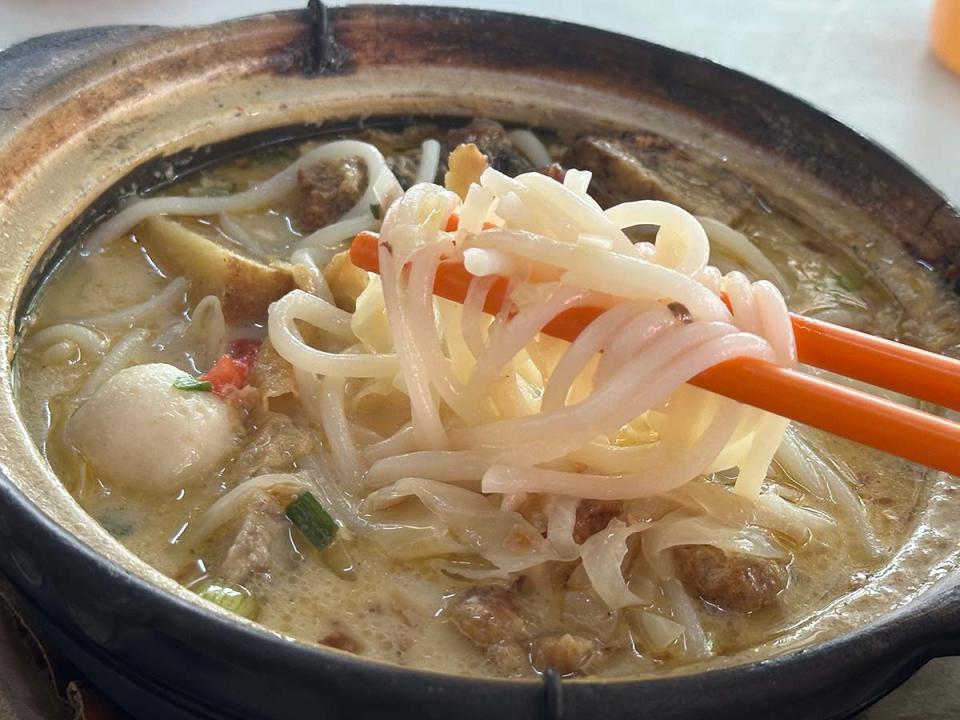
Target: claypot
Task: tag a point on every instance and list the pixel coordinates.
(87, 115)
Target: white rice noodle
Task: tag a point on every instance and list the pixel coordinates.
(307, 258)
(500, 185)
(827, 480)
(735, 245)
(775, 322)
(576, 358)
(603, 555)
(496, 408)
(515, 334)
(760, 309)
(121, 354)
(336, 428)
(692, 424)
(476, 209)
(290, 345)
(429, 161)
(464, 467)
(473, 321)
(480, 262)
(174, 294)
(681, 241)
(626, 276)
(672, 359)
(235, 232)
(401, 442)
(678, 529)
(89, 342)
(323, 400)
(450, 326)
(504, 538)
(578, 181)
(531, 146)
(382, 189)
(663, 473)
(364, 435)
(571, 209)
(561, 522)
(207, 329)
(410, 224)
(230, 505)
(421, 314)
(709, 277)
(330, 238)
(659, 632)
(630, 340)
(803, 466)
(740, 293)
(753, 467)
(697, 644)
(318, 470)
(741, 440)
(770, 511)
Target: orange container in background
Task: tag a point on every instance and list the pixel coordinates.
(945, 33)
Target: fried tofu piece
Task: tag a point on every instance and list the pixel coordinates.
(245, 286)
(346, 280)
(466, 165)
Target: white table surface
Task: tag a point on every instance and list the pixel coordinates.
(867, 62)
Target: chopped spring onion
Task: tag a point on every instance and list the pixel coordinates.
(851, 280)
(312, 520)
(213, 187)
(376, 211)
(229, 596)
(192, 384)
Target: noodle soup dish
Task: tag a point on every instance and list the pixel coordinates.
(357, 463)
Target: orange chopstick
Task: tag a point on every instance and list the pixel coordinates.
(927, 439)
(884, 363)
(908, 433)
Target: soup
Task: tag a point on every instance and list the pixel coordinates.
(354, 462)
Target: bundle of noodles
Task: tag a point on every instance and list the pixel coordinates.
(504, 418)
(381, 189)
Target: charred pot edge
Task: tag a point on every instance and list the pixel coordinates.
(324, 54)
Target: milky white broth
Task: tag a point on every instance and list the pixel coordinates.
(394, 610)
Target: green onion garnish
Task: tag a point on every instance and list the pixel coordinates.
(192, 384)
(376, 211)
(851, 281)
(230, 596)
(213, 187)
(312, 520)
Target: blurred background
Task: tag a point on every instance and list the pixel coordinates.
(867, 62)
